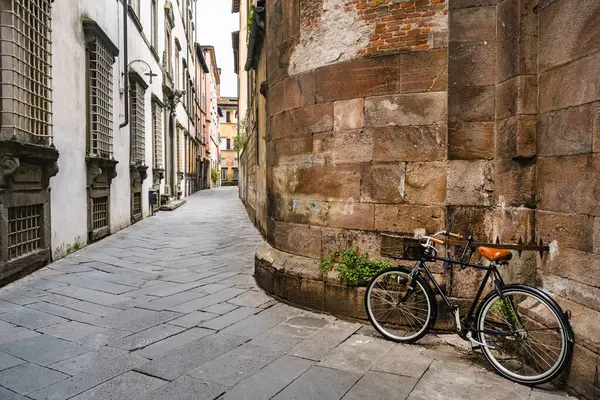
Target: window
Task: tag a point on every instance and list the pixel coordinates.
(227, 116)
(137, 123)
(135, 4)
(228, 145)
(154, 21)
(167, 58)
(24, 230)
(235, 174)
(224, 174)
(99, 212)
(157, 111)
(101, 57)
(179, 144)
(177, 76)
(137, 203)
(26, 70)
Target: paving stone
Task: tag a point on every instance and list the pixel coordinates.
(175, 363)
(173, 342)
(26, 378)
(89, 379)
(320, 383)
(188, 277)
(6, 394)
(209, 300)
(212, 288)
(140, 301)
(43, 349)
(230, 318)
(85, 361)
(283, 310)
(404, 360)
(270, 380)
(357, 354)
(186, 388)
(163, 303)
(235, 365)
(6, 306)
(71, 330)
(472, 383)
(58, 299)
(94, 309)
(146, 322)
(154, 287)
(61, 311)
(93, 296)
(9, 335)
(123, 317)
(239, 280)
(24, 291)
(119, 278)
(193, 319)
(307, 322)
(221, 308)
(252, 326)
(538, 394)
(379, 385)
(8, 361)
(100, 339)
(219, 277)
(274, 341)
(324, 340)
(251, 298)
(146, 337)
(31, 319)
(295, 331)
(127, 386)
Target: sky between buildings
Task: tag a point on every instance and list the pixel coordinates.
(215, 24)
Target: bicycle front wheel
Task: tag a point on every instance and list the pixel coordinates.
(525, 335)
(400, 309)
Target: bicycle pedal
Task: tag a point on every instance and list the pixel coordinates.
(475, 347)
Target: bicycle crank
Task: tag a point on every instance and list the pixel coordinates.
(470, 338)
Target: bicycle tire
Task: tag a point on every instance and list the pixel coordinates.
(534, 317)
(423, 288)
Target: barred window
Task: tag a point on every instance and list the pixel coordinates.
(179, 144)
(99, 212)
(224, 174)
(157, 134)
(137, 203)
(101, 57)
(24, 230)
(25, 57)
(235, 174)
(137, 125)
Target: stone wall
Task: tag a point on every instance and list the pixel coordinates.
(487, 122)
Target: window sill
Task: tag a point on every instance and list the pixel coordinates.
(136, 19)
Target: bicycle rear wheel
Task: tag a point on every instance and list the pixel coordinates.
(526, 336)
(400, 309)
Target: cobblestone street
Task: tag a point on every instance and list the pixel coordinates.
(169, 309)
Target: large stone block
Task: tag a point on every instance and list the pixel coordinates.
(472, 24)
(304, 211)
(571, 84)
(348, 146)
(471, 220)
(406, 109)
(292, 150)
(410, 143)
(346, 301)
(299, 90)
(573, 264)
(568, 31)
(349, 114)
(582, 371)
(384, 183)
(596, 240)
(302, 240)
(351, 215)
(337, 239)
(515, 182)
(586, 295)
(323, 182)
(470, 182)
(553, 139)
(276, 103)
(426, 183)
(516, 137)
(471, 103)
(517, 96)
(313, 119)
(424, 71)
(408, 218)
(357, 78)
(517, 30)
(472, 63)
(280, 126)
(569, 184)
(471, 140)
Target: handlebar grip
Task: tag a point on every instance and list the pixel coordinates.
(438, 241)
(455, 235)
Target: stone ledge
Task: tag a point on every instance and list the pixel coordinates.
(172, 205)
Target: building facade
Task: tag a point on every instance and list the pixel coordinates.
(471, 116)
(213, 91)
(109, 113)
(228, 130)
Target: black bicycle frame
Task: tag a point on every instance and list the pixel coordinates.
(490, 270)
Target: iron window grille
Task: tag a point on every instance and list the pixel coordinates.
(99, 212)
(137, 203)
(224, 174)
(24, 230)
(101, 58)
(157, 111)
(137, 124)
(235, 174)
(25, 67)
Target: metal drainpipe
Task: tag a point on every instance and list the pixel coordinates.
(125, 62)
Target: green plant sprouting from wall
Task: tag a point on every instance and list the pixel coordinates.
(239, 141)
(250, 16)
(213, 175)
(352, 266)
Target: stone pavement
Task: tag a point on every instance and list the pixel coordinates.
(169, 309)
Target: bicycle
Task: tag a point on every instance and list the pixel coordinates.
(522, 332)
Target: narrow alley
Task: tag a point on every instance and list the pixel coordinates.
(168, 309)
